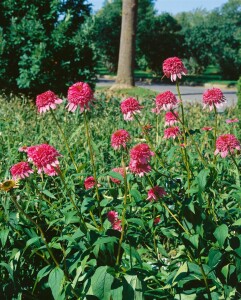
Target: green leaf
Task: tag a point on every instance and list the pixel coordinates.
(105, 240)
(214, 257)
(237, 223)
(202, 179)
(3, 236)
(56, 281)
(87, 204)
(101, 283)
(132, 288)
(182, 270)
(136, 195)
(48, 193)
(116, 175)
(221, 233)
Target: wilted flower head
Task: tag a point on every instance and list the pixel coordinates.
(141, 153)
(206, 128)
(129, 107)
(157, 220)
(139, 168)
(226, 144)
(80, 94)
(89, 182)
(213, 97)
(44, 157)
(46, 101)
(8, 184)
(20, 170)
(121, 171)
(171, 118)
(232, 121)
(23, 149)
(155, 193)
(119, 139)
(173, 67)
(172, 132)
(165, 101)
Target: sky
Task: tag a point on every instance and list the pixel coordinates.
(175, 6)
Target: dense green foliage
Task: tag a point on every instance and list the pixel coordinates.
(193, 253)
(239, 92)
(44, 45)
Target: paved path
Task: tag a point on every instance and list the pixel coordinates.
(189, 94)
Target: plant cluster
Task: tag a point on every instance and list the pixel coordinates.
(139, 207)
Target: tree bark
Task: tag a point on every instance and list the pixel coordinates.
(125, 71)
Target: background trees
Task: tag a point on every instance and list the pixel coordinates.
(44, 45)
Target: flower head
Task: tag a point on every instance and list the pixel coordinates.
(89, 182)
(46, 101)
(141, 153)
(155, 193)
(171, 118)
(119, 139)
(206, 128)
(23, 149)
(165, 101)
(226, 144)
(173, 67)
(139, 168)
(213, 97)
(112, 216)
(129, 107)
(157, 220)
(44, 157)
(121, 171)
(8, 184)
(232, 121)
(20, 170)
(171, 132)
(80, 94)
(117, 225)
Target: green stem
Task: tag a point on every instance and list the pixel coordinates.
(123, 214)
(93, 166)
(65, 139)
(215, 131)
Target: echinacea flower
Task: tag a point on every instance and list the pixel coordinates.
(172, 132)
(139, 168)
(155, 193)
(47, 101)
(20, 170)
(171, 118)
(129, 107)
(112, 216)
(173, 67)
(141, 153)
(119, 139)
(165, 101)
(9, 184)
(226, 144)
(229, 121)
(206, 128)
(45, 158)
(80, 94)
(121, 171)
(213, 97)
(23, 149)
(117, 225)
(157, 220)
(89, 182)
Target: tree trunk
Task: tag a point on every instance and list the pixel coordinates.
(125, 72)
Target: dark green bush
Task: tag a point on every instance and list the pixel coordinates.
(44, 45)
(239, 92)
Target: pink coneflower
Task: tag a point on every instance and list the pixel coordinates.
(207, 128)
(157, 220)
(20, 170)
(213, 97)
(112, 216)
(171, 118)
(232, 121)
(113, 219)
(139, 168)
(23, 149)
(165, 101)
(119, 139)
(226, 144)
(121, 171)
(44, 157)
(46, 101)
(173, 67)
(89, 182)
(172, 132)
(129, 107)
(155, 193)
(80, 94)
(141, 153)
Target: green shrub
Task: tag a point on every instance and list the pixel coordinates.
(239, 92)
